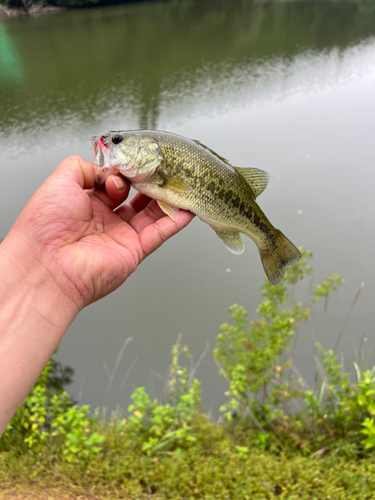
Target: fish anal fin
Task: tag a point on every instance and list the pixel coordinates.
(232, 241)
(168, 209)
(256, 178)
(275, 261)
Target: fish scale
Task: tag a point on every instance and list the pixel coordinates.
(207, 174)
(182, 173)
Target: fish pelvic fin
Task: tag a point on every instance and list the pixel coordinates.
(275, 262)
(168, 209)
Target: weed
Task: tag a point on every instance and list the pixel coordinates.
(48, 419)
(168, 427)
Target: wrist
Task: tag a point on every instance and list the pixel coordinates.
(29, 285)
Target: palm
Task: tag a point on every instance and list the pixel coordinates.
(89, 249)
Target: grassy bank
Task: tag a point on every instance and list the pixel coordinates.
(212, 469)
(277, 437)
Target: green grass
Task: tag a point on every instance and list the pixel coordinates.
(212, 469)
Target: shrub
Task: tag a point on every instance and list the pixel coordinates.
(48, 418)
(337, 413)
(250, 354)
(341, 409)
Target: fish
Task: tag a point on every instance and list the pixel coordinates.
(182, 173)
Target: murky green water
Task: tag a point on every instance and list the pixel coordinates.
(288, 87)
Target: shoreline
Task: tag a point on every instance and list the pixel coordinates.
(34, 10)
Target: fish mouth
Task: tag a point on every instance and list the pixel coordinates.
(102, 161)
(101, 151)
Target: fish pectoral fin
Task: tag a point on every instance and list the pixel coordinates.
(257, 179)
(168, 209)
(232, 241)
(171, 182)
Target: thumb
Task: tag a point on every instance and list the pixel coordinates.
(78, 170)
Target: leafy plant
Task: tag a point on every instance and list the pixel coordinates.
(74, 425)
(338, 406)
(161, 428)
(48, 418)
(249, 354)
(369, 432)
(30, 423)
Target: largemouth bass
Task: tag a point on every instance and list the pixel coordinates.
(183, 173)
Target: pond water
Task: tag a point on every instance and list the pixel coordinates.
(288, 87)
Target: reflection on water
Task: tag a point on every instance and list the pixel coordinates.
(137, 60)
(284, 86)
(11, 70)
(230, 86)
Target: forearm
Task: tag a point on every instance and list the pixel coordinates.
(34, 316)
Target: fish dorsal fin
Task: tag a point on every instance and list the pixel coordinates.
(257, 179)
(211, 151)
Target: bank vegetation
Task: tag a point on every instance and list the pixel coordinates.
(278, 437)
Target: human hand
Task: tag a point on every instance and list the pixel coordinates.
(86, 247)
(67, 249)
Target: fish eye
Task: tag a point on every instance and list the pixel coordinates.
(116, 139)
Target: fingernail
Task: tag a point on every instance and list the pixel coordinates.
(118, 182)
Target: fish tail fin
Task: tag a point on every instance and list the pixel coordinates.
(275, 261)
